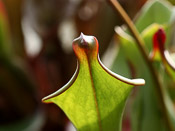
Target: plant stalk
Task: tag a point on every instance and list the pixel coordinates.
(140, 43)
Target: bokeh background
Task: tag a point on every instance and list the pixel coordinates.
(36, 56)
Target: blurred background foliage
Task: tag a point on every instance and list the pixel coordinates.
(36, 56)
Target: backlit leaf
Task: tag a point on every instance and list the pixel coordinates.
(95, 97)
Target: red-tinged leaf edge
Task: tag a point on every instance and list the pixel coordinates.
(88, 45)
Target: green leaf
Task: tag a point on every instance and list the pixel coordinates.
(154, 11)
(146, 108)
(146, 114)
(95, 97)
(129, 47)
(122, 63)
